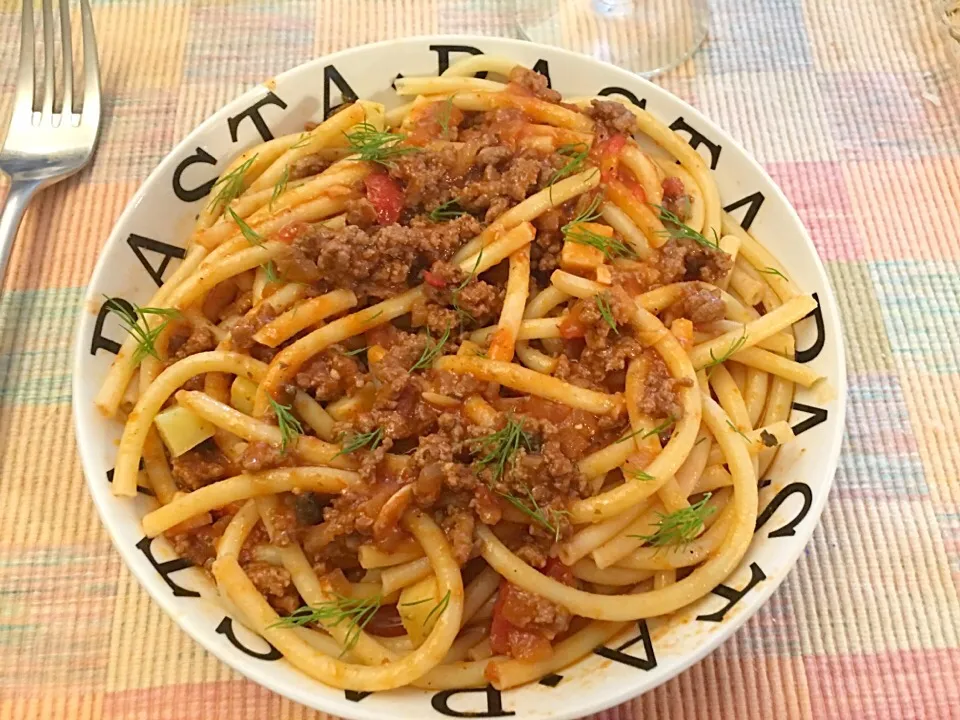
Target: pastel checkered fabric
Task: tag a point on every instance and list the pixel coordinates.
(853, 107)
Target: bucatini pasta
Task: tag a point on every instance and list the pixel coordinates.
(447, 395)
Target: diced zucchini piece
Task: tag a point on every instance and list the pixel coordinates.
(418, 608)
(180, 429)
(242, 393)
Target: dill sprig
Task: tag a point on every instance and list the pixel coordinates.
(356, 613)
(548, 519)
(446, 211)
(134, 321)
(231, 184)
(680, 526)
(734, 348)
(280, 186)
(499, 447)
(249, 234)
(576, 232)
(773, 271)
(577, 154)
(370, 440)
(606, 312)
(439, 609)
(303, 140)
(644, 434)
(462, 315)
(378, 146)
(675, 228)
(443, 117)
(270, 272)
(432, 351)
(738, 431)
(639, 475)
(290, 427)
(351, 353)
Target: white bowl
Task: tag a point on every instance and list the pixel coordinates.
(155, 225)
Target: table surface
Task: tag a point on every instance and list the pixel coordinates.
(854, 109)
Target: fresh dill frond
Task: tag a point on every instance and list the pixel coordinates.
(644, 434)
(576, 232)
(356, 613)
(270, 272)
(231, 184)
(249, 234)
(734, 348)
(463, 316)
(378, 146)
(303, 140)
(351, 353)
(639, 475)
(446, 211)
(606, 312)
(370, 440)
(439, 609)
(675, 228)
(577, 154)
(773, 271)
(443, 117)
(548, 519)
(499, 447)
(280, 186)
(290, 427)
(134, 321)
(680, 526)
(432, 351)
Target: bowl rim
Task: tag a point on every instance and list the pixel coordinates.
(596, 702)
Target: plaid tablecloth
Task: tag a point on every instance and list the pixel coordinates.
(853, 107)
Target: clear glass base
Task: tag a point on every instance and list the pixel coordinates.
(645, 36)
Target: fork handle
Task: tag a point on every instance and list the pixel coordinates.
(21, 192)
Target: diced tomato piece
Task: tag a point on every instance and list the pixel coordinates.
(290, 232)
(607, 155)
(572, 325)
(386, 622)
(633, 186)
(433, 279)
(385, 196)
(558, 571)
(508, 639)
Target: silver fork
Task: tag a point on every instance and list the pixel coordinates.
(43, 145)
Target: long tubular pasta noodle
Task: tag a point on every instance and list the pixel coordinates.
(401, 576)
(655, 301)
(249, 203)
(670, 168)
(480, 412)
(308, 313)
(324, 135)
(140, 419)
(775, 434)
(485, 612)
(587, 570)
(158, 469)
(655, 602)
(455, 675)
(544, 301)
(536, 360)
(755, 393)
(529, 210)
(779, 405)
(621, 222)
(478, 592)
(481, 651)
(663, 578)
(313, 414)
(534, 108)
(474, 64)
(602, 461)
(531, 329)
(242, 487)
(342, 675)
(467, 639)
(198, 320)
(781, 343)
(238, 529)
(753, 332)
(681, 441)
(730, 244)
(778, 365)
(630, 539)
(729, 397)
(199, 284)
(510, 673)
(442, 85)
(645, 171)
(761, 259)
(574, 285)
(396, 116)
(371, 557)
(689, 473)
(639, 212)
(738, 372)
(713, 478)
(502, 342)
(307, 448)
(531, 382)
(123, 367)
(745, 286)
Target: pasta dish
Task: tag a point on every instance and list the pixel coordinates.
(450, 394)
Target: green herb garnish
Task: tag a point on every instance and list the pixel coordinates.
(370, 440)
(738, 431)
(355, 612)
(734, 348)
(378, 146)
(446, 211)
(351, 353)
(675, 228)
(606, 312)
(639, 475)
(644, 434)
(549, 519)
(231, 184)
(576, 232)
(134, 321)
(499, 447)
(290, 427)
(432, 351)
(680, 526)
(443, 117)
(577, 154)
(462, 315)
(280, 186)
(249, 234)
(270, 272)
(773, 271)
